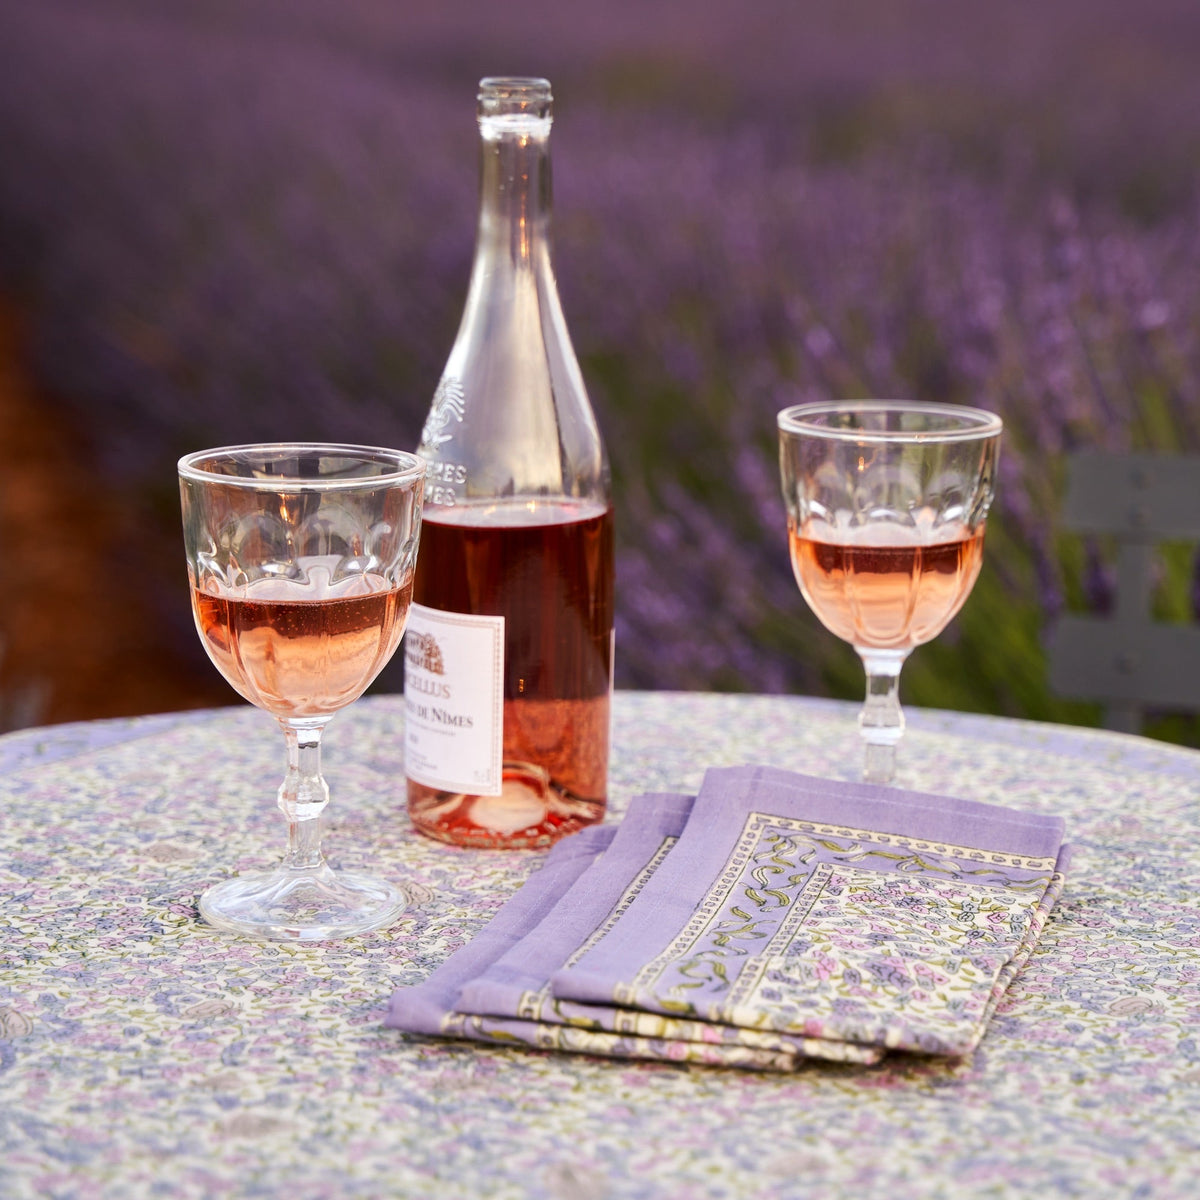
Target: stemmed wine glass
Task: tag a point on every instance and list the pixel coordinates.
(301, 559)
(887, 502)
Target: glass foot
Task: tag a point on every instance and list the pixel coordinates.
(288, 905)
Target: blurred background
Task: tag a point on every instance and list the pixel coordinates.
(225, 220)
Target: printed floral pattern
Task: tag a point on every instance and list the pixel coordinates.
(832, 933)
(508, 1012)
(142, 1054)
(860, 961)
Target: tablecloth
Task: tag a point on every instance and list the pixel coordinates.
(144, 1054)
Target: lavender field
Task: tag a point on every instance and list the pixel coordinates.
(238, 219)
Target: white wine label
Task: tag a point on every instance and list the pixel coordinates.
(454, 701)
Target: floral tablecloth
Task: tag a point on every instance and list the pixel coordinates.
(143, 1054)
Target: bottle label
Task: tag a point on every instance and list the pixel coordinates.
(454, 701)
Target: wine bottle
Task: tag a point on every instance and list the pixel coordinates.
(509, 649)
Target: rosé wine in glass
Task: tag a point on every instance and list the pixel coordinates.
(887, 597)
(301, 560)
(887, 504)
(300, 649)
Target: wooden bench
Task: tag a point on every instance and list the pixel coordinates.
(1128, 660)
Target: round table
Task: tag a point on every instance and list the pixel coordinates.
(144, 1054)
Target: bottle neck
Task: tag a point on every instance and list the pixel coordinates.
(514, 190)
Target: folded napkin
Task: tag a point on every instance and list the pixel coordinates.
(775, 918)
(497, 987)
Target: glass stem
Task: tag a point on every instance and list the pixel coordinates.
(303, 793)
(881, 722)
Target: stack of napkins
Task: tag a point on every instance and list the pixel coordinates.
(771, 919)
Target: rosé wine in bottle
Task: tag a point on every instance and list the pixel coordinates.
(508, 659)
(547, 572)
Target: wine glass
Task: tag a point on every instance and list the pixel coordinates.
(301, 560)
(887, 502)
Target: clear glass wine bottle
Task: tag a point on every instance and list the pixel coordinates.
(508, 655)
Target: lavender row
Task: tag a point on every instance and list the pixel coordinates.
(233, 225)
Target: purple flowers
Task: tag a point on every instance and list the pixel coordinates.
(238, 222)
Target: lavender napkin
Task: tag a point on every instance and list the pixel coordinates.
(845, 912)
(496, 989)
(773, 919)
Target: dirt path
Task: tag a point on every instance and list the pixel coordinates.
(76, 643)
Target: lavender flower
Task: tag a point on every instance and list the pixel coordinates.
(256, 220)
